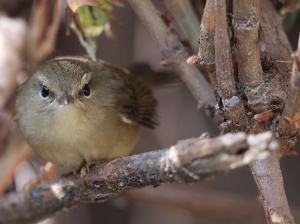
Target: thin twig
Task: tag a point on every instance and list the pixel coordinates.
(206, 54)
(268, 177)
(246, 24)
(187, 18)
(188, 161)
(174, 54)
(234, 108)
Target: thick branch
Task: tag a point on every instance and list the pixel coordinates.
(234, 108)
(246, 24)
(173, 53)
(187, 18)
(188, 161)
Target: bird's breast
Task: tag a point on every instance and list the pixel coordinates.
(74, 139)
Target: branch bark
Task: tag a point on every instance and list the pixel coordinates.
(269, 180)
(206, 54)
(233, 106)
(262, 94)
(188, 161)
(246, 24)
(174, 54)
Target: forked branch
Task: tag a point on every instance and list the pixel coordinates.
(174, 54)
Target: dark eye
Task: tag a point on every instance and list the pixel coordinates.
(45, 91)
(86, 90)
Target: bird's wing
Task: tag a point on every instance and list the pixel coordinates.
(136, 102)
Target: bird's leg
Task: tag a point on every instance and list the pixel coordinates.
(48, 173)
(84, 170)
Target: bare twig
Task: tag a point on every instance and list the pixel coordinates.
(188, 161)
(234, 108)
(246, 24)
(268, 177)
(222, 52)
(187, 18)
(173, 53)
(206, 54)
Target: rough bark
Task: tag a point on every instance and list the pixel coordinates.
(261, 83)
(188, 161)
(246, 24)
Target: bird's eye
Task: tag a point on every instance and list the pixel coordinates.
(86, 90)
(45, 91)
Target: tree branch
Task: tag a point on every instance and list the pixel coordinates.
(246, 24)
(269, 180)
(187, 19)
(188, 161)
(173, 52)
(234, 108)
(206, 54)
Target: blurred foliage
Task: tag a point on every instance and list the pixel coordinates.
(93, 19)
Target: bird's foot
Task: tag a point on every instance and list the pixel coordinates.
(84, 170)
(48, 173)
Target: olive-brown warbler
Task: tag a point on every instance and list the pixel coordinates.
(73, 111)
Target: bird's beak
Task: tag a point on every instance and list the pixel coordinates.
(65, 99)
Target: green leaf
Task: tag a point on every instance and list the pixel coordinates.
(93, 27)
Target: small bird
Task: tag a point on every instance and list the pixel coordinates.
(74, 112)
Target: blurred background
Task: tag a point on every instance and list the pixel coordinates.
(228, 199)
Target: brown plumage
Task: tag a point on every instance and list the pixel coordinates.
(74, 111)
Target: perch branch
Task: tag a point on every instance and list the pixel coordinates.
(234, 108)
(188, 161)
(187, 19)
(246, 24)
(173, 53)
